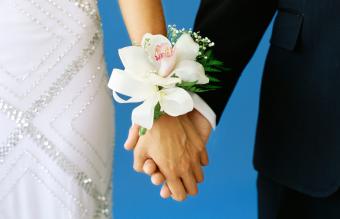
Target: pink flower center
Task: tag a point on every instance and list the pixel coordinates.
(163, 51)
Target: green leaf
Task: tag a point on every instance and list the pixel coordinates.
(213, 79)
(216, 62)
(142, 131)
(187, 83)
(157, 113)
(211, 69)
(209, 86)
(209, 53)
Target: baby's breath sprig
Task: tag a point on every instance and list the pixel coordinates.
(174, 34)
(205, 57)
(205, 44)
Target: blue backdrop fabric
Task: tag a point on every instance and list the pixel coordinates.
(229, 190)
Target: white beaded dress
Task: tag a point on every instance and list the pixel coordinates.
(56, 113)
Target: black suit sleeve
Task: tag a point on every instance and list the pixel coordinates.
(236, 27)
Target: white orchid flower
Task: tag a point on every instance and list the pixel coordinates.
(179, 60)
(152, 73)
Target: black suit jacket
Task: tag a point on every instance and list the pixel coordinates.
(298, 131)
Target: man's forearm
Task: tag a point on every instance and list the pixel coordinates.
(143, 16)
(236, 27)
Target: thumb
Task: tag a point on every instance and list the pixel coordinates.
(132, 138)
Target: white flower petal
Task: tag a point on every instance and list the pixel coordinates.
(191, 71)
(176, 101)
(150, 43)
(186, 48)
(150, 40)
(121, 82)
(143, 115)
(136, 60)
(167, 65)
(163, 82)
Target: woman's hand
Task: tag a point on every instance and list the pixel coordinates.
(175, 146)
(202, 127)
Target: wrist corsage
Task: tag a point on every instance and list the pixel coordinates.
(162, 74)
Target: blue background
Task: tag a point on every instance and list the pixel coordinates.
(229, 189)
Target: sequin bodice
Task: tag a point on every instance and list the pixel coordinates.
(56, 116)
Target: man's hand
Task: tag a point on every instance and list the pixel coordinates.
(201, 126)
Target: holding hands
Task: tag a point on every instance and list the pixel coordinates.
(172, 153)
(164, 75)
